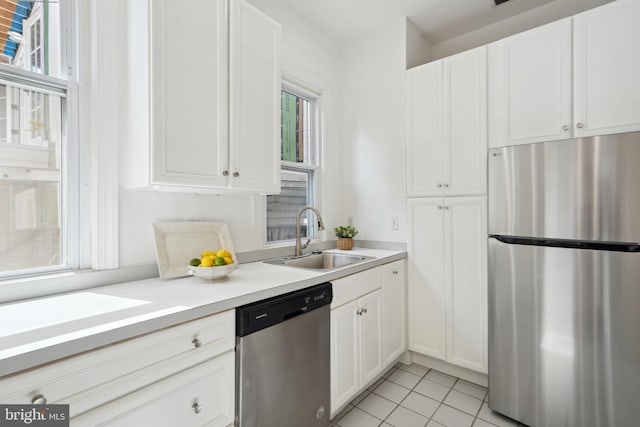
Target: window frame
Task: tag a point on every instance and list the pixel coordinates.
(313, 167)
(74, 232)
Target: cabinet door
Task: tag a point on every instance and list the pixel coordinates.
(530, 86)
(371, 336)
(189, 93)
(394, 336)
(426, 277)
(424, 108)
(466, 278)
(202, 395)
(465, 123)
(254, 123)
(607, 66)
(344, 354)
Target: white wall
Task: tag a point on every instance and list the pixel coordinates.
(313, 60)
(418, 47)
(373, 132)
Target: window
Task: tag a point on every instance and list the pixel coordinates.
(299, 167)
(37, 185)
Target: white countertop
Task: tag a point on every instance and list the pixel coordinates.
(39, 331)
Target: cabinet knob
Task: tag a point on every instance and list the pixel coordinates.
(197, 408)
(439, 185)
(196, 343)
(39, 399)
(579, 125)
(395, 271)
(236, 174)
(225, 173)
(439, 207)
(446, 208)
(446, 186)
(565, 128)
(365, 309)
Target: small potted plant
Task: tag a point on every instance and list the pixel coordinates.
(345, 235)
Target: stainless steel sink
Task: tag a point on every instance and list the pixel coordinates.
(322, 261)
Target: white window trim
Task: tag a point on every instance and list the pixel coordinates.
(299, 87)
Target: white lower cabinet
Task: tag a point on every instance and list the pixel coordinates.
(356, 335)
(447, 280)
(394, 312)
(201, 395)
(154, 379)
(368, 325)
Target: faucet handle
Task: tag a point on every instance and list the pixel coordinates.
(304, 246)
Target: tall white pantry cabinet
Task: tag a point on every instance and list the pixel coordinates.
(446, 183)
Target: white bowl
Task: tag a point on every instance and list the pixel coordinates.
(213, 273)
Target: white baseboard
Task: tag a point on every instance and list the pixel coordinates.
(447, 368)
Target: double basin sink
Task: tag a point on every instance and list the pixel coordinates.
(321, 261)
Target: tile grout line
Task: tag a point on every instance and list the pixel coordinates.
(410, 391)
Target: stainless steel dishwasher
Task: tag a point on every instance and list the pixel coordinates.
(283, 360)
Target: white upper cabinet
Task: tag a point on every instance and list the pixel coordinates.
(447, 126)
(607, 69)
(255, 100)
(530, 86)
(188, 98)
(544, 88)
(203, 97)
(424, 97)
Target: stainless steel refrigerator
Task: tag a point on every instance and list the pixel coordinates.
(564, 282)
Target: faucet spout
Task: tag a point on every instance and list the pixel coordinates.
(299, 245)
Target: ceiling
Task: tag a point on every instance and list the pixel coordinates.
(438, 20)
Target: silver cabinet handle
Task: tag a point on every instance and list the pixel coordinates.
(196, 343)
(236, 174)
(579, 125)
(395, 271)
(225, 173)
(39, 399)
(565, 127)
(196, 408)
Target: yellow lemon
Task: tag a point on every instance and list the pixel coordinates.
(223, 253)
(228, 260)
(207, 261)
(218, 261)
(207, 253)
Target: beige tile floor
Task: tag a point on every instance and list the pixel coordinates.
(412, 395)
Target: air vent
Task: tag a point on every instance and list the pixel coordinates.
(499, 2)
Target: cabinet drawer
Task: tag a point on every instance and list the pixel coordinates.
(90, 379)
(202, 395)
(354, 286)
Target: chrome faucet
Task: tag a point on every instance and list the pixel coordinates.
(299, 245)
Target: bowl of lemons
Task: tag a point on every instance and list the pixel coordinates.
(213, 265)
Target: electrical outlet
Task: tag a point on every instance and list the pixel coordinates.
(394, 223)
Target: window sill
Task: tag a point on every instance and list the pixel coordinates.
(21, 288)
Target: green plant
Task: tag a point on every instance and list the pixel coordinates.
(345, 231)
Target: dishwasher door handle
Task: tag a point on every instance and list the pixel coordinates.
(295, 313)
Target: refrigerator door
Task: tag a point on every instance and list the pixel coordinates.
(564, 347)
(583, 189)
